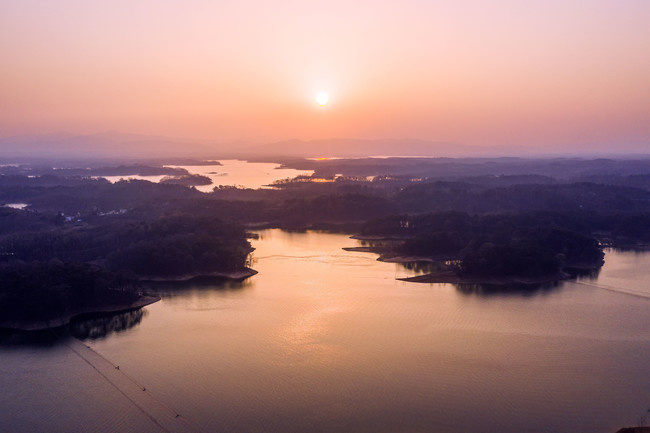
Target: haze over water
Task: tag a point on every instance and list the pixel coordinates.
(327, 340)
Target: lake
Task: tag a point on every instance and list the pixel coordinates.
(232, 172)
(327, 340)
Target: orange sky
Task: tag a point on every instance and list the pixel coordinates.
(543, 73)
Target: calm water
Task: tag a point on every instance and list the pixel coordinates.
(242, 173)
(326, 340)
(231, 172)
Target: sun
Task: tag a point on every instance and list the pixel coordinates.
(322, 98)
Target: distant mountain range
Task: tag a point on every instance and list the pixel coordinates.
(341, 147)
(107, 145)
(117, 145)
(120, 146)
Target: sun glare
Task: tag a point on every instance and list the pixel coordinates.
(322, 98)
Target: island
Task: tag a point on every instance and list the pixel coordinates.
(497, 249)
(187, 180)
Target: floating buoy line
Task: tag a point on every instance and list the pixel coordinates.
(628, 292)
(160, 414)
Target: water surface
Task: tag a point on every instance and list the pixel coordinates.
(327, 340)
(246, 174)
(231, 172)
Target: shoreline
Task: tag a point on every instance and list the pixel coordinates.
(142, 301)
(448, 277)
(231, 275)
(389, 259)
(406, 259)
(360, 237)
(42, 325)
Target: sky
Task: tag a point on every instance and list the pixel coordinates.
(504, 72)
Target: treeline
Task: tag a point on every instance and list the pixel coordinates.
(170, 246)
(187, 180)
(566, 169)
(346, 200)
(524, 245)
(76, 172)
(52, 264)
(178, 246)
(49, 290)
(532, 253)
(623, 229)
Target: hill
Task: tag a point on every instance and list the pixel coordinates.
(343, 147)
(111, 144)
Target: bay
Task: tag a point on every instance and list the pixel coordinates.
(328, 340)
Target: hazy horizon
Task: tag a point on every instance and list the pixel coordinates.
(549, 75)
(119, 146)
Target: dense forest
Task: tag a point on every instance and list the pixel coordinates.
(537, 244)
(187, 180)
(48, 290)
(170, 246)
(498, 217)
(53, 263)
